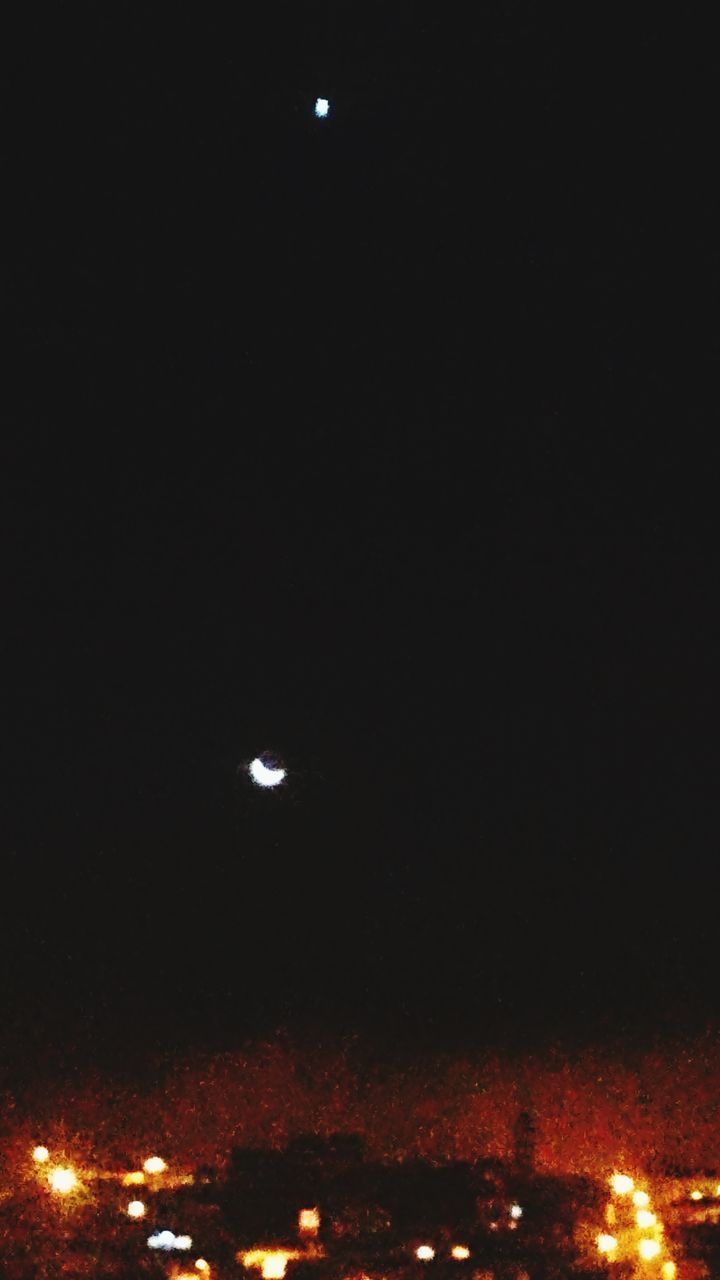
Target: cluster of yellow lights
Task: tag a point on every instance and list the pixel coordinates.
(460, 1252)
(425, 1252)
(155, 1164)
(649, 1248)
(272, 1262)
(63, 1181)
(41, 1155)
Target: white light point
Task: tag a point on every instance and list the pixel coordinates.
(162, 1240)
(322, 108)
(425, 1253)
(63, 1181)
(264, 776)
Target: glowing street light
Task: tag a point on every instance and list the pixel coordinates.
(606, 1244)
(516, 1211)
(63, 1181)
(648, 1249)
(696, 1195)
(425, 1253)
(272, 1262)
(621, 1184)
(641, 1199)
(155, 1164)
(460, 1252)
(136, 1209)
(309, 1222)
(41, 1155)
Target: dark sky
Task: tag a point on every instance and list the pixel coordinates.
(385, 443)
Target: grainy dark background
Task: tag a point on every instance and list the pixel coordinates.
(384, 442)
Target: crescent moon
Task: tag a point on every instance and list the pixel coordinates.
(265, 777)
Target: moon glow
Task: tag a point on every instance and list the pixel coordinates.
(265, 777)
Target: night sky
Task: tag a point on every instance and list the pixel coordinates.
(383, 443)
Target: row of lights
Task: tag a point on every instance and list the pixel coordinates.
(460, 1252)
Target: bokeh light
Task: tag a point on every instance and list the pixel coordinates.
(621, 1184)
(63, 1181)
(648, 1249)
(606, 1243)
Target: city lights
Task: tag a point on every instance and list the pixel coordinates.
(136, 1209)
(183, 1242)
(696, 1195)
(606, 1243)
(641, 1199)
(134, 1179)
(202, 1265)
(322, 108)
(41, 1155)
(155, 1164)
(669, 1271)
(460, 1252)
(648, 1249)
(516, 1211)
(621, 1184)
(63, 1181)
(425, 1253)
